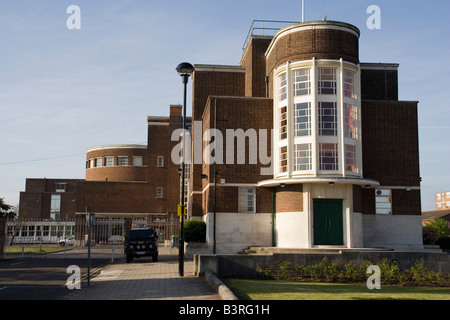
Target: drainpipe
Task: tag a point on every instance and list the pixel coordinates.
(273, 216)
(215, 178)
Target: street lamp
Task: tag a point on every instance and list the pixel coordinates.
(184, 69)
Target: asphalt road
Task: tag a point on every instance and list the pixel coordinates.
(41, 279)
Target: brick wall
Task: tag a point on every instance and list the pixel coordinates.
(117, 173)
(390, 143)
(254, 62)
(308, 43)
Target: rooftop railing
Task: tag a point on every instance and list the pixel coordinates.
(265, 28)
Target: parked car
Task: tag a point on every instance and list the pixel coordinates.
(141, 242)
(69, 241)
(115, 240)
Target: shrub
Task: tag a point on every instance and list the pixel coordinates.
(285, 268)
(430, 235)
(194, 231)
(351, 271)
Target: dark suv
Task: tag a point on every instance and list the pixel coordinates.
(141, 242)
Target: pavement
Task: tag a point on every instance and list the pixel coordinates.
(143, 279)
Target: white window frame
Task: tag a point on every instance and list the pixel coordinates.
(327, 81)
(283, 122)
(109, 161)
(303, 157)
(325, 127)
(383, 201)
(302, 128)
(351, 164)
(349, 84)
(350, 121)
(60, 187)
(160, 161)
(301, 82)
(98, 162)
(120, 163)
(324, 154)
(282, 86)
(137, 161)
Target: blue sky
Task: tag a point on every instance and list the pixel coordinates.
(62, 91)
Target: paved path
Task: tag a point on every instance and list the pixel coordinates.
(143, 279)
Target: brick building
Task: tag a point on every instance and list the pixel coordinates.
(345, 162)
(123, 181)
(301, 145)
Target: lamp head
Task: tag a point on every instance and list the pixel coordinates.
(185, 69)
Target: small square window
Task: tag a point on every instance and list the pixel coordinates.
(98, 162)
(122, 161)
(109, 161)
(138, 161)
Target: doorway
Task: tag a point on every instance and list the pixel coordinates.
(328, 222)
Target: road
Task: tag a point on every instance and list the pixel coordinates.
(41, 279)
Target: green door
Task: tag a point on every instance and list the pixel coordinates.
(328, 222)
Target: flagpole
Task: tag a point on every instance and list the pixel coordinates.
(303, 10)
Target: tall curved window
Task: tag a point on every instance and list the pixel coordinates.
(302, 82)
(316, 106)
(302, 119)
(327, 81)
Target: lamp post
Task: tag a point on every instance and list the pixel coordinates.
(184, 69)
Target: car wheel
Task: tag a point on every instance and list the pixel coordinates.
(129, 258)
(155, 258)
(62, 244)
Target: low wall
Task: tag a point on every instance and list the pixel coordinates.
(243, 265)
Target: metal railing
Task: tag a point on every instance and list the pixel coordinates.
(33, 236)
(265, 28)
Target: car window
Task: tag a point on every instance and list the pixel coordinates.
(142, 234)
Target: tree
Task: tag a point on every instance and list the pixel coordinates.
(6, 210)
(441, 225)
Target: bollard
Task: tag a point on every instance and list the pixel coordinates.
(112, 255)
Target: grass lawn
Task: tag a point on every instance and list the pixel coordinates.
(246, 289)
(31, 249)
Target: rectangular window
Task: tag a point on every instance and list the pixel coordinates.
(283, 159)
(350, 118)
(55, 207)
(302, 119)
(60, 187)
(91, 163)
(282, 82)
(283, 123)
(137, 161)
(327, 81)
(328, 156)
(349, 84)
(122, 161)
(327, 119)
(160, 161)
(383, 201)
(350, 158)
(302, 83)
(159, 192)
(247, 200)
(98, 162)
(109, 161)
(303, 157)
